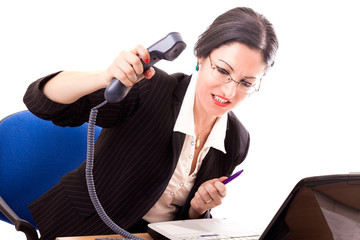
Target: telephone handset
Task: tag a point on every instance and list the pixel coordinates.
(167, 48)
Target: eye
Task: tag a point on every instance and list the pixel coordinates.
(245, 84)
(222, 71)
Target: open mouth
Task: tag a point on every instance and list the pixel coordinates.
(220, 100)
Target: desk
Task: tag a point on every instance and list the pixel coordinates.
(142, 235)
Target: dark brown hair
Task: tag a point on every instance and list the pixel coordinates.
(242, 25)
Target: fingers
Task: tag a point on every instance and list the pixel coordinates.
(212, 192)
(127, 66)
(149, 73)
(209, 195)
(142, 52)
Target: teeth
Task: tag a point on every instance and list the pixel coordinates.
(220, 100)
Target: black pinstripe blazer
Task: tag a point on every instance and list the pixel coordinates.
(135, 155)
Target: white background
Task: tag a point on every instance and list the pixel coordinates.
(303, 122)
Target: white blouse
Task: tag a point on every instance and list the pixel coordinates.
(181, 182)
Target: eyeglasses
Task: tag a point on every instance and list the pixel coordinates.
(244, 86)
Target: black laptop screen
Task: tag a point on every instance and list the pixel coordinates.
(319, 208)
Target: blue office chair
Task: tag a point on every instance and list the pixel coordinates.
(34, 155)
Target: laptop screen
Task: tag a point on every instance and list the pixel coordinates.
(319, 208)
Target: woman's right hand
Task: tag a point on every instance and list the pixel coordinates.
(69, 86)
(128, 65)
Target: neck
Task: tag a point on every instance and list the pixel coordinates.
(203, 125)
(202, 131)
(202, 119)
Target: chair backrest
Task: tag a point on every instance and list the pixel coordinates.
(34, 155)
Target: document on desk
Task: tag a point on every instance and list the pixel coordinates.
(213, 228)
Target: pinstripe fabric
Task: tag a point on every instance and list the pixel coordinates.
(135, 156)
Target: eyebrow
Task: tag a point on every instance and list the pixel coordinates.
(227, 64)
(245, 77)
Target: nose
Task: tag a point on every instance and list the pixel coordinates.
(229, 89)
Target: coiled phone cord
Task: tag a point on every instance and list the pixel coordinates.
(90, 178)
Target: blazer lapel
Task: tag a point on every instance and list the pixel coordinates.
(177, 144)
(178, 138)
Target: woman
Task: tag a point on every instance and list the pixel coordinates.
(166, 148)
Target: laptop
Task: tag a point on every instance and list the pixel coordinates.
(318, 208)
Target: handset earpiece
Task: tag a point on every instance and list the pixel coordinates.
(168, 48)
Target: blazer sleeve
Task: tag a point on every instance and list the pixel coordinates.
(77, 113)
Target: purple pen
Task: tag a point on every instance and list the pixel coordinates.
(232, 177)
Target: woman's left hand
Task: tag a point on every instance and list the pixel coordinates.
(209, 195)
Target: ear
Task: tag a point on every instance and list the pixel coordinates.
(198, 63)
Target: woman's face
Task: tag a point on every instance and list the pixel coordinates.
(216, 98)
